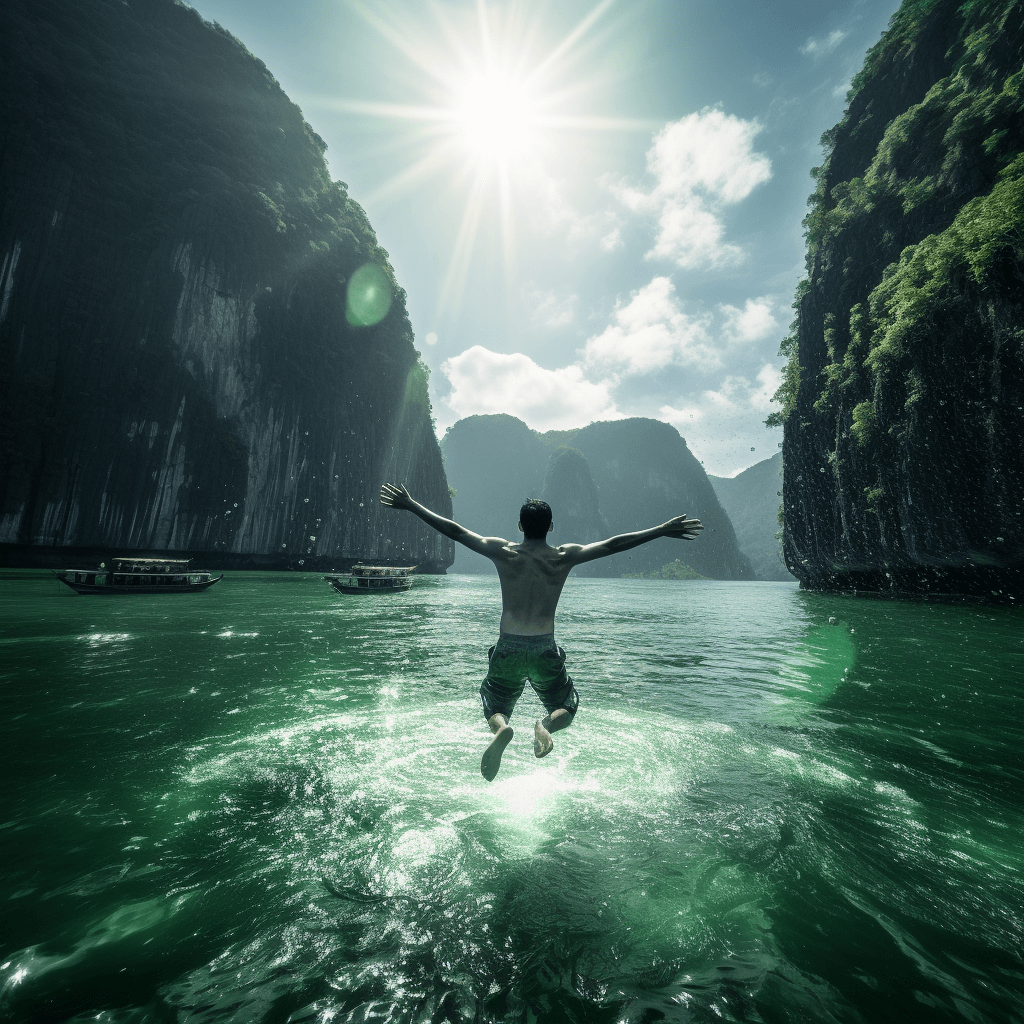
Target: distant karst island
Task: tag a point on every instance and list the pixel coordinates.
(606, 478)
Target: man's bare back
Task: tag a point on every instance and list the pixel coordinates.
(532, 574)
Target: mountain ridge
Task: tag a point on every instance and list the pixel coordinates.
(641, 471)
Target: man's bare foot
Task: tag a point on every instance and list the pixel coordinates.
(543, 744)
(491, 761)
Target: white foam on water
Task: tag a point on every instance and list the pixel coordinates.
(99, 639)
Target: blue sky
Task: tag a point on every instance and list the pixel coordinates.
(594, 207)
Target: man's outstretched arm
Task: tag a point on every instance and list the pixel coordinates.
(396, 496)
(681, 528)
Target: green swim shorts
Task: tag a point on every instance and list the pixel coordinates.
(514, 659)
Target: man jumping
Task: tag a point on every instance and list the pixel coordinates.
(532, 575)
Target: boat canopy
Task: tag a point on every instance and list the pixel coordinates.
(381, 570)
(151, 565)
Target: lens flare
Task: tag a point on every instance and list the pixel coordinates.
(368, 296)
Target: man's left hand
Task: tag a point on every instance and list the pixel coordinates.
(687, 529)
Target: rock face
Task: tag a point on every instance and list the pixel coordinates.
(569, 487)
(493, 463)
(752, 500)
(601, 480)
(904, 396)
(182, 365)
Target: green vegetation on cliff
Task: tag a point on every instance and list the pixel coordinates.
(902, 399)
(675, 570)
(202, 345)
(154, 110)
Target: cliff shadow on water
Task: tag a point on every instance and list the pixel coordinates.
(203, 348)
(603, 479)
(903, 399)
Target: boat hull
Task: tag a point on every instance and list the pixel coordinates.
(398, 586)
(179, 588)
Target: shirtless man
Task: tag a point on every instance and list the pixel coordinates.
(532, 574)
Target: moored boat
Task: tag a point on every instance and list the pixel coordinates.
(373, 579)
(139, 576)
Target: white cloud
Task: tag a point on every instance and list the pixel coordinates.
(725, 426)
(491, 382)
(548, 308)
(556, 213)
(738, 396)
(826, 44)
(752, 323)
(700, 164)
(769, 380)
(650, 332)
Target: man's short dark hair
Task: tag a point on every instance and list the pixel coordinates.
(535, 518)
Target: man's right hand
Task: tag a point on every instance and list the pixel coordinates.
(395, 496)
(681, 527)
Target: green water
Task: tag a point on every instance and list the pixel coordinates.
(263, 803)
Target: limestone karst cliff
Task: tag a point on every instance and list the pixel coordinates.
(752, 500)
(569, 487)
(904, 394)
(188, 360)
(612, 477)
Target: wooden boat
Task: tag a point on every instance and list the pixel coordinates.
(373, 579)
(139, 576)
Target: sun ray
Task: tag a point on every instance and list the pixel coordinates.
(411, 46)
(425, 167)
(599, 124)
(399, 111)
(494, 110)
(485, 33)
(458, 265)
(508, 233)
(571, 39)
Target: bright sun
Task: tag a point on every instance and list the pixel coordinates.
(496, 117)
(502, 106)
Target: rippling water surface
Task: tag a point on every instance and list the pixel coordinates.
(263, 803)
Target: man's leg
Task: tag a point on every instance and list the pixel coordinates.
(542, 741)
(554, 687)
(501, 688)
(491, 761)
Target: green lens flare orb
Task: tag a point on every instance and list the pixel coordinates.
(368, 297)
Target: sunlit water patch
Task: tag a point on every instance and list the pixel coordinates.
(265, 805)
